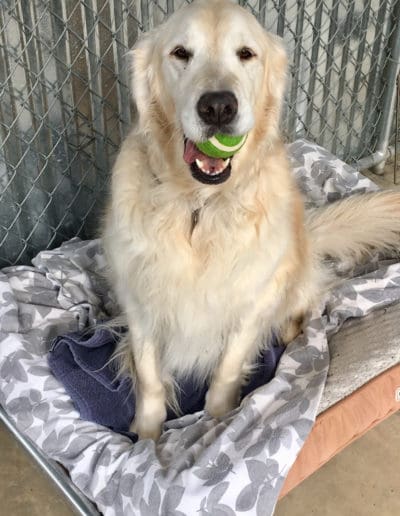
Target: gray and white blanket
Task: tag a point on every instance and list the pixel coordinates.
(200, 465)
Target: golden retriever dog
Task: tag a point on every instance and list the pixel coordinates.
(209, 256)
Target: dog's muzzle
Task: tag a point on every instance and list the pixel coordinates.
(216, 110)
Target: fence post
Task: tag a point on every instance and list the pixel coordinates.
(391, 73)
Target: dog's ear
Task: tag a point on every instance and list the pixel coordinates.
(276, 69)
(142, 74)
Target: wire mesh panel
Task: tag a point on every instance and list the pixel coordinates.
(64, 98)
(64, 105)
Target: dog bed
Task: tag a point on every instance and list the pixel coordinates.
(200, 465)
(362, 389)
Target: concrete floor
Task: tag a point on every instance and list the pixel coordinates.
(386, 180)
(363, 480)
(24, 489)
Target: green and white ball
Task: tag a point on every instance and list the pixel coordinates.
(221, 145)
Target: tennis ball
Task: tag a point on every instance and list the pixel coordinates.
(221, 145)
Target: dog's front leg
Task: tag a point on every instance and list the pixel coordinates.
(150, 411)
(223, 394)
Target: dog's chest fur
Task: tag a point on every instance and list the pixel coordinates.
(191, 283)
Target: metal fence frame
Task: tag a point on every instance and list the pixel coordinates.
(56, 473)
(65, 102)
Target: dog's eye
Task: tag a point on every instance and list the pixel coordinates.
(245, 54)
(181, 53)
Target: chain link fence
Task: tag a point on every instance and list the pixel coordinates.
(65, 104)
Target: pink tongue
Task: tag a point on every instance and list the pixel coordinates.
(191, 153)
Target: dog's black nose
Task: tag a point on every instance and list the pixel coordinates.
(217, 107)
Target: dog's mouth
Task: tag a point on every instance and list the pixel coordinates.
(210, 171)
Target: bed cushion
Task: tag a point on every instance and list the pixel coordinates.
(363, 349)
(345, 422)
(362, 389)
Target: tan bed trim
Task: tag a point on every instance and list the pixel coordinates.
(345, 422)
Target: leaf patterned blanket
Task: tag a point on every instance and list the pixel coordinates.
(200, 466)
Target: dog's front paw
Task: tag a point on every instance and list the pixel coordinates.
(146, 431)
(221, 399)
(149, 418)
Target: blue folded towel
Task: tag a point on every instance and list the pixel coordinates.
(81, 362)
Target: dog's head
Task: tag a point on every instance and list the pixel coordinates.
(210, 68)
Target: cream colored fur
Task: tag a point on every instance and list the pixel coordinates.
(201, 301)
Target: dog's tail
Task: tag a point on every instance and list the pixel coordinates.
(351, 229)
